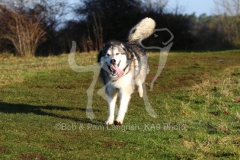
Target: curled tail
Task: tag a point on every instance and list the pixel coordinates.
(142, 30)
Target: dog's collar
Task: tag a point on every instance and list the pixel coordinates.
(127, 65)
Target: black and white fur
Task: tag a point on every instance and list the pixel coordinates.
(129, 57)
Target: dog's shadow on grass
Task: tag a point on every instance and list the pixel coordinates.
(45, 111)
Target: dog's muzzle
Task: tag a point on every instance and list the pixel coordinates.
(114, 68)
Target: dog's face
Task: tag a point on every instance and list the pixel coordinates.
(114, 59)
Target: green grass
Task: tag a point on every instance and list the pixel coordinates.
(197, 100)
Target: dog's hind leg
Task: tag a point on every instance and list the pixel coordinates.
(140, 78)
(112, 99)
(140, 88)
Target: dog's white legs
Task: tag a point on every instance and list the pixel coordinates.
(112, 99)
(124, 100)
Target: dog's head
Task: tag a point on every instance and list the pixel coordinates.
(115, 58)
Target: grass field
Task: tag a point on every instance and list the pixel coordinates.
(197, 100)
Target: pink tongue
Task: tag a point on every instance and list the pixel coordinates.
(118, 70)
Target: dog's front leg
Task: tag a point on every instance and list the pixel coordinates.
(125, 97)
(112, 99)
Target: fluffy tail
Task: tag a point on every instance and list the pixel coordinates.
(142, 30)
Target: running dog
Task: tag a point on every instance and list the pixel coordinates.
(124, 65)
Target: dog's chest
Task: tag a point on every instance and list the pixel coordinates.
(124, 81)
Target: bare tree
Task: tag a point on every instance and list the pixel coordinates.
(95, 43)
(52, 14)
(23, 30)
(178, 8)
(228, 19)
(98, 32)
(158, 6)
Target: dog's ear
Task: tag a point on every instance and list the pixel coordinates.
(126, 50)
(123, 47)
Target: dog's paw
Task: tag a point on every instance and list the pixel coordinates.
(108, 122)
(117, 123)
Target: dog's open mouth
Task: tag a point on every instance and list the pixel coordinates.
(115, 70)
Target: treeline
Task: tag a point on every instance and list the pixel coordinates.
(40, 29)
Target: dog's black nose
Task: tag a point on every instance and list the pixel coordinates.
(113, 61)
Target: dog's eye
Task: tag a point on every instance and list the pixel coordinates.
(117, 53)
(107, 55)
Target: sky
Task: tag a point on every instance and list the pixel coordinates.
(186, 6)
(191, 6)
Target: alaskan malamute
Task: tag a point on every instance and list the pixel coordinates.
(124, 65)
